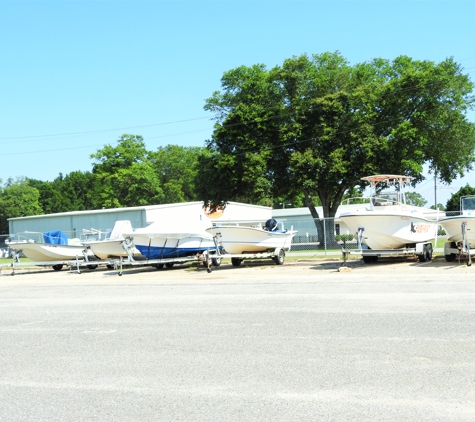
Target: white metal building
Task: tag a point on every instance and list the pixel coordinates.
(76, 222)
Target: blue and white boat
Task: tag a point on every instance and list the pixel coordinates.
(158, 241)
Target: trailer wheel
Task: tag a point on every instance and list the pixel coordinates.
(236, 262)
(169, 264)
(57, 267)
(280, 257)
(426, 254)
(450, 258)
(216, 261)
(158, 266)
(370, 259)
(430, 251)
(92, 267)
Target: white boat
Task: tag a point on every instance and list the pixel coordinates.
(387, 222)
(461, 227)
(252, 237)
(159, 241)
(112, 245)
(47, 246)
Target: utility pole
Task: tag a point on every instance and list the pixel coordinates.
(435, 189)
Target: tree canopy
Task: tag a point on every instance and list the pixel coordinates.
(176, 168)
(316, 125)
(415, 198)
(65, 193)
(453, 204)
(17, 199)
(123, 176)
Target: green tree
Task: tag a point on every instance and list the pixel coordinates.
(123, 176)
(176, 168)
(50, 197)
(453, 204)
(316, 125)
(76, 190)
(414, 198)
(17, 199)
(66, 193)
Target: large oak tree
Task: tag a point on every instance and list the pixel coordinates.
(316, 125)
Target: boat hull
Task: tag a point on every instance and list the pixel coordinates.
(40, 252)
(159, 246)
(241, 239)
(390, 231)
(453, 228)
(106, 249)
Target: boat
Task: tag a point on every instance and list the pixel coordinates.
(160, 240)
(252, 236)
(112, 245)
(48, 246)
(387, 221)
(461, 228)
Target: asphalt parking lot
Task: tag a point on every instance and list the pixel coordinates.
(308, 340)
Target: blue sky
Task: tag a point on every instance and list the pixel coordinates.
(76, 75)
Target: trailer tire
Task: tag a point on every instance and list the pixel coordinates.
(158, 266)
(450, 258)
(370, 259)
(216, 261)
(280, 257)
(57, 267)
(169, 264)
(426, 254)
(236, 262)
(92, 267)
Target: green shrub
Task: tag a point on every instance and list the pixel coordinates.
(341, 237)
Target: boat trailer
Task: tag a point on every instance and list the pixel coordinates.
(277, 255)
(460, 249)
(422, 250)
(77, 263)
(208, 258)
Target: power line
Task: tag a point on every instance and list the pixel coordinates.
(100, 131)
(91, 146)
(105, 130)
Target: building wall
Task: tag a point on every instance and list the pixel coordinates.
(74, 223)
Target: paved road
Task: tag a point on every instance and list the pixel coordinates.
(387, 342)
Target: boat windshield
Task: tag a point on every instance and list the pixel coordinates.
(387, 198)
(379, 197)
(467, 205)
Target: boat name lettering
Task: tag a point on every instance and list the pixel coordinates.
(420, 228)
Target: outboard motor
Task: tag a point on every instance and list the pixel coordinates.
(271, 225)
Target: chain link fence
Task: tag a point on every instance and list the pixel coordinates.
(321, 236)
(5, 251)
(327, 236)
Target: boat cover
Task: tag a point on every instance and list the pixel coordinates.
(55, 237)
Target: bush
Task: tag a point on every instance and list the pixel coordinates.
(341, 237)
